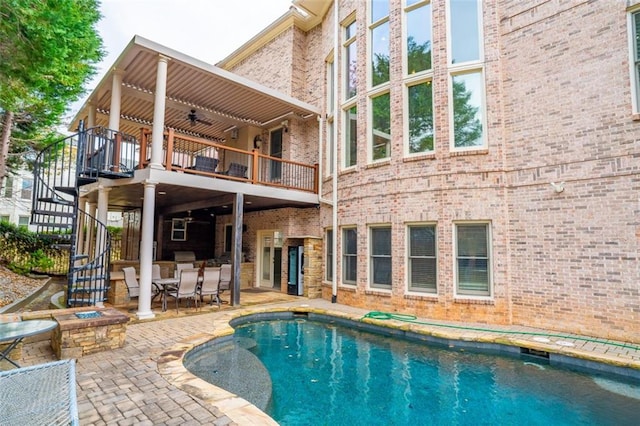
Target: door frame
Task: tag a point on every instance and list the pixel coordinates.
(260, 235)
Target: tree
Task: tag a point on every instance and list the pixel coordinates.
(49, 50)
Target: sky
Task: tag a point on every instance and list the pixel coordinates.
(208, 30)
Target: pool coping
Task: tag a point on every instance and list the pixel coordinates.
(171, 367)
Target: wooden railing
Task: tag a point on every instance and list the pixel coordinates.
(207, 158)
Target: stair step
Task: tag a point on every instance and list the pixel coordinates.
(80, 256)
(87, 267)
(89, 279)
(71, 190)
(61, 246)
(56, 200)
(53, 213)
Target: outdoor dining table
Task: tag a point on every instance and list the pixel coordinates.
(165, 284)
(14, 332)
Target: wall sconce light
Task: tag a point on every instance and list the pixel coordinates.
(285, 125)
(234, 134)
(557, 187)
(257, 142)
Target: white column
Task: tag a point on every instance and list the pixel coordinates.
(158, 114)
(116, 97)
(146, 250)
(101, 237)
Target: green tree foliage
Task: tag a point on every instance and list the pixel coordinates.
(49, 50)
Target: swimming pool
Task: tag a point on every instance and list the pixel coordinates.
(319, 372)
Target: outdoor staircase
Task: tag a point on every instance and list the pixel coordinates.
(60, 171)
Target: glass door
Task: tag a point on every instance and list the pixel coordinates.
(269, 261)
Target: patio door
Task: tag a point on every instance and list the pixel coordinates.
(269, 259)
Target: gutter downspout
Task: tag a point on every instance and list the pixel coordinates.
(334, 248)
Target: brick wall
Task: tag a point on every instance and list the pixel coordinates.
(558, 109)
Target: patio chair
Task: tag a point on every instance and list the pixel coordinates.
(236, 170)
(181, 266)
(131, 281)
(225, 277)
(205, 164)
(210, 284)
(187, 287)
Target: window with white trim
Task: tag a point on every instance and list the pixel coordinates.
(421, 261)
(380, 127)
(473, 274)
(27, 189)
(350, 63)
(349, 255)
(466, 83)
(23, 222)
(350, 136)
(635, 57)
(330, 101)
(379, 35)
(8, 187)
(328, 244)
(380, 257)
(418, 78)
(5, 218)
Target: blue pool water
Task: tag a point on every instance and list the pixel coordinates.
(320, 373)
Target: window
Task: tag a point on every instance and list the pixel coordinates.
(418, 41)
(380, 266)
(379, 42)
(420, 117)
(635, 56)
(5, 218)
(472, 259)
(350, 61)
(228, 238)
(380, 127)
(464, 21)
(8, 187)
(351, 137)
(330, 116)
(328, 243)
(27, 186)
(178, 230)
(23, 222)
(349, 255)
(422, 258)
(418, 124)
(465, 68)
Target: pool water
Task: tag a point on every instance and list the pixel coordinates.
(327, 374)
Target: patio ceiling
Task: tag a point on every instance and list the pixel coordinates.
(220, 98)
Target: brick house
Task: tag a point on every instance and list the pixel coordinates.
(476, 161)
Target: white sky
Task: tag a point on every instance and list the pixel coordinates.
(208, 30)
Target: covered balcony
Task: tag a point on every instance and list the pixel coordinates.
(177, 140)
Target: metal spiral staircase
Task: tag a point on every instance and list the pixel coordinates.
(60, 171)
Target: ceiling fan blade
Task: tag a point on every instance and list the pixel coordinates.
(205, 122)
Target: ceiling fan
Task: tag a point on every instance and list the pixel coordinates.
(193, 117)
(190, 219)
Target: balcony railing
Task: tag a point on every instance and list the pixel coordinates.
(207, 158)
